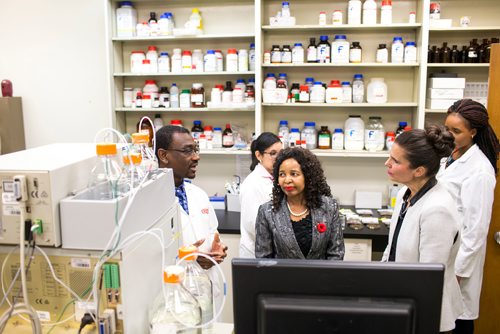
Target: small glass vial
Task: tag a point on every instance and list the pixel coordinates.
(382, 54)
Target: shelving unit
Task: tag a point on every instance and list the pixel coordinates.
(236, 24)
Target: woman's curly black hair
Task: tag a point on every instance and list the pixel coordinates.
(315, 184)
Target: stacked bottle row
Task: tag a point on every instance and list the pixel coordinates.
(339, 52)
(128, 25)
(186, 61)
(318, 92)
(354, 137)
(152, 96)
(474, 53)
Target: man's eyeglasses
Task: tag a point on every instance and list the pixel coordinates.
(272, 154)
(188, 151)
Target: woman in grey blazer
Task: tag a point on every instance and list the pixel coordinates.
(425, 224)
(302, 219)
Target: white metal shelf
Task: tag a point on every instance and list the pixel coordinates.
(461, 29)
(383, 65)
(184, 109)
(458, 65)
(183, 38)
(170, 74)
(342, 105)
(357, 27)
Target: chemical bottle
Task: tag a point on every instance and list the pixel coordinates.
(445, 54)
(196, 130)
(310, 135)
(276, 54)
(382, 54)
(376, 91)
(174, 96)
(185, 99)
(312, 53)
(220, 60)
(317, 93)
(177, 304)
(158, 121)
(482, 50)
(401, 128)
(197, 59)
(436, 55)
(232, 60)
(217, 138)
(374, 134)
(298, 54)
(322, 18)
(140, 142)
(304, 94)
(334, 92)
(177, 61)
(410, 53)
(463, 55)
(355, 53)
(324, 138)
(285, 9)
(164, 63)
(397, 50)
(270, 81)
(195, 21)
(340, 50)
(354, 12)
(284, 133)
(358, 89)
(389, 140)
(346, 92)
(187, 61)
(106, 179)
(286, 54)
(126, 20)
(338, 139)
(227, 94)
(152, 56)
(251, 57)
(197, 282)
(243, 60)
(354, 133)
(386, 12)
(323, 50)
(132, 168)
(393, 194)
(227, 137)
(294, 137)
(370, 12)
(472, 52)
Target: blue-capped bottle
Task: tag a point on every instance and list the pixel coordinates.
(323, 50)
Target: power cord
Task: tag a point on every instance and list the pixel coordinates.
(87, 319)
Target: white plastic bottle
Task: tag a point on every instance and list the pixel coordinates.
(284, 133)
(251, 57)
(393, 194)
(334, 92)
(152, 56)
(346, 92)
(370, 12)
(187, 61)
(197, 59)
(338, 139)
(242, 60)
(174, 96)
(164, 63)
(386, 12)
(177, 61)
(195, 21)
(354, 133)
(164, 25)
(126, 20)
(270, 81)
(298, 54)
(220, 60)
(340, 50)
(232, 60)
(358, 89)
(376, 91)
(317, 93)
(410, 55)
(354, 12)
(397, 50)
(322, 18)
(210, 61)
(294, 137)
(285, 9)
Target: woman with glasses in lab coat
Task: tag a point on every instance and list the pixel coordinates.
(257, 188)
(469, 175)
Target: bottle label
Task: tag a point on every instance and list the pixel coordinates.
(382, 56)
(286, 57)
(297, 55)
(312, 54)
(228, 140)
(197, 98)
(355, 56)
(275, 56)
(323, 53)
(472, 54)
(324, 140)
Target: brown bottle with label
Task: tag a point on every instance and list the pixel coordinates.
(324, 138)
(445, 54)
(435, 54)
(482, 51)
(227, 137)
(455, 55)
(472, 52)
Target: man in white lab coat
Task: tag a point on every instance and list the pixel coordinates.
(176, 149)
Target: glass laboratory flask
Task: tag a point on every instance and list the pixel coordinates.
(132, 168)
(198, 283)
(140, 145)
(107, 181)
(178, 309)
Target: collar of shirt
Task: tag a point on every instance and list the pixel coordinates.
(427, 186)
(263, 172)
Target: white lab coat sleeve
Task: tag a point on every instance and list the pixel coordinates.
(477, 200)
(213, 222)
(438, 230)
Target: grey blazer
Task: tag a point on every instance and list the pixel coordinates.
(275, 238)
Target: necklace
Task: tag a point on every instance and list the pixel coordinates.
(296, 214)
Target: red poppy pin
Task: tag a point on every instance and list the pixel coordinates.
(321, 227)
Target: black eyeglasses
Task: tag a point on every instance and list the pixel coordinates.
(188, 151)
(272, 154)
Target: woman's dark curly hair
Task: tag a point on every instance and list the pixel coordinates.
(314, 178)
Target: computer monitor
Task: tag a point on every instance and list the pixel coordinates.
(276, 296)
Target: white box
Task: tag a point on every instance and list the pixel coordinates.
(446, 83)
(233, 203)
(445, 93)
(439, 103)
(89, 224)
(441, 23)
(368, 200)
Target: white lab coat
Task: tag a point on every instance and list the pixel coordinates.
(255, 190)
(201, 221)
(427, 236)
(471, 182)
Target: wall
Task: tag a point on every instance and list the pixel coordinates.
(55, 54)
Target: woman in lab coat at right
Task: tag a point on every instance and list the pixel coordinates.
(469, 175)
